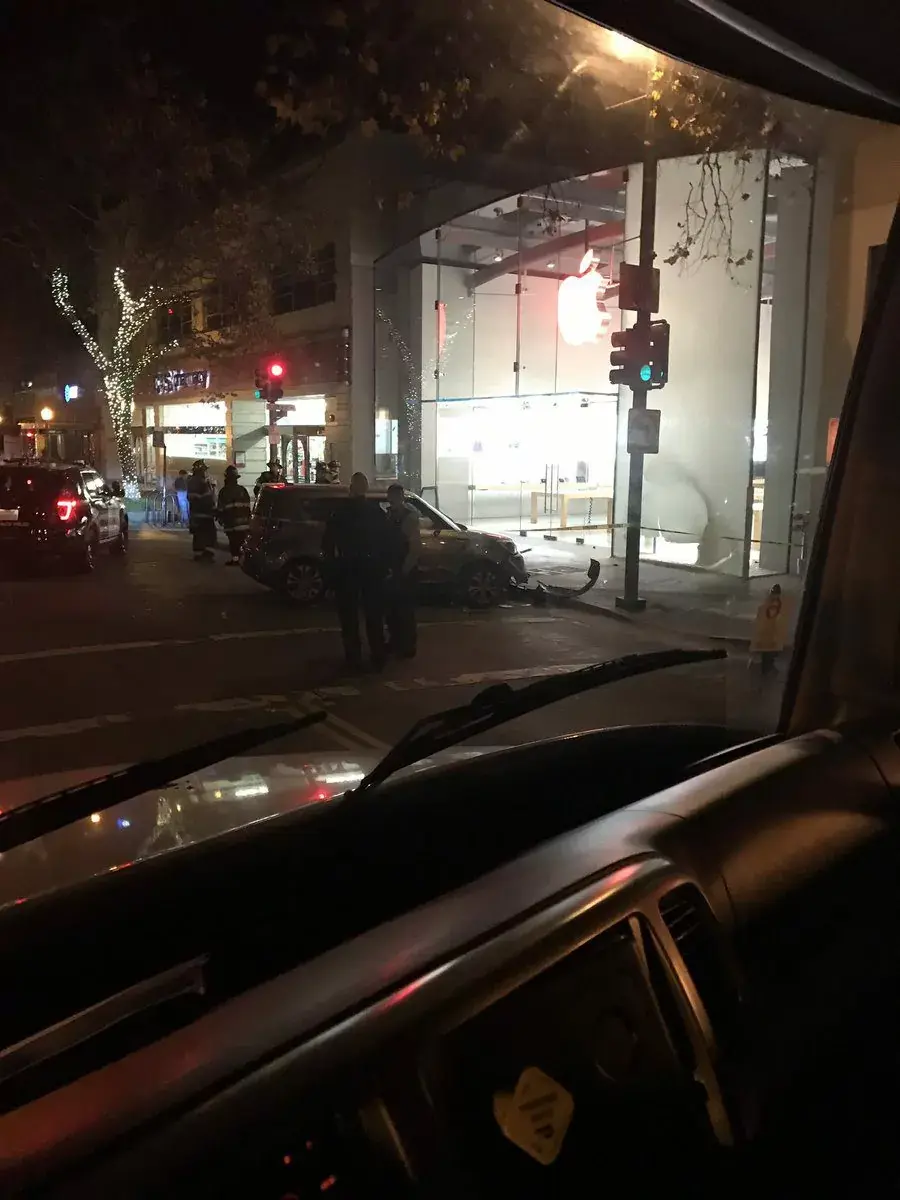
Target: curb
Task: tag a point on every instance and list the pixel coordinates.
(741, 643)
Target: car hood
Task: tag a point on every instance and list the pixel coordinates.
(229, 795)
(492, 541)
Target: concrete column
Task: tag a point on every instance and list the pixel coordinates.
(817, 397)
(362, 364)
(792, 197)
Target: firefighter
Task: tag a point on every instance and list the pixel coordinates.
(356, 553)
(272, 474)
(233, 512)
(202, 508)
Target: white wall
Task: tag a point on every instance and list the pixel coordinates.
(698, 486)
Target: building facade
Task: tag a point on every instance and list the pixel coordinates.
(460, 341)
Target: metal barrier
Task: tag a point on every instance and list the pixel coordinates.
(161, 508)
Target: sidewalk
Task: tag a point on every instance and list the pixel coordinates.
(679, 599)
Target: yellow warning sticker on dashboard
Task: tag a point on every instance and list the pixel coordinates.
(536, 1117)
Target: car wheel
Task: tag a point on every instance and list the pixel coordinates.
(303, 583)
(482, 586)
(120, 545)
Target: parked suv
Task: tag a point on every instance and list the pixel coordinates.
(59, 511)
(284, 547)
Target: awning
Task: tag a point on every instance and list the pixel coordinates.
(845, 60)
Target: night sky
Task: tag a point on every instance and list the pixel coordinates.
(211, 48)
(54, 52)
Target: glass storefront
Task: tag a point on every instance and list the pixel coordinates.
(493, 340)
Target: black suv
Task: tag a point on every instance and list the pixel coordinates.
(284, 547)
(59, 511)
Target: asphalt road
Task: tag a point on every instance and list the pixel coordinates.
(156, 652)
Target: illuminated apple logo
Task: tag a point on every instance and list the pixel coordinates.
(580, 314)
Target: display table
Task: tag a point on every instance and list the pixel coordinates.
(566, 495)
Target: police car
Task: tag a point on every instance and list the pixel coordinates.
(59, 511)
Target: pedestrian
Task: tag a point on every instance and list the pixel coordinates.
(202, 507)
(233, 511)
(355, 551)
(328, 472)
(179, 487)
(272, 474)
(403, 521)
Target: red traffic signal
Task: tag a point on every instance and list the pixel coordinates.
(276, 370)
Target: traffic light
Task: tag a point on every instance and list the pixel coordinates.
(275, 372)
(641, 356)
(261, 385)
(630, 357)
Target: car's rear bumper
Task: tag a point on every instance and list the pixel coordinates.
(40, 543)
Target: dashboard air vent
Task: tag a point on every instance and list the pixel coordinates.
(695, 931)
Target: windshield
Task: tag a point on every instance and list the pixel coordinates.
(423, 269)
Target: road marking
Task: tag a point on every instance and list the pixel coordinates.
(242, 635)
(349, 736)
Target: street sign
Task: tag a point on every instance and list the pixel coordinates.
(638, 289)
(643, 430)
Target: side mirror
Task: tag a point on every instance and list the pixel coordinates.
(464, 528)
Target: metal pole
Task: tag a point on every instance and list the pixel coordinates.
(630, 600)
(273, 431)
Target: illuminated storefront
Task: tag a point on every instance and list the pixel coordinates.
(492, 367)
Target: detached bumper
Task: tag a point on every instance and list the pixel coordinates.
(518, 572)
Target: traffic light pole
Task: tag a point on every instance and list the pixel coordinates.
(630, 600)
(273, 431)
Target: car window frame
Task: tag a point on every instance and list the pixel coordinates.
(440, 522)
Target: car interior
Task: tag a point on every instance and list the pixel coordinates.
(646, 957)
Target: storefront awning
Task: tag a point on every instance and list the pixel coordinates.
(846, 62)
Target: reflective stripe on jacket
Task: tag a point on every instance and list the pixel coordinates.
(233, 508)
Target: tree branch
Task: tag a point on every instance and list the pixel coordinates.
(59, 284)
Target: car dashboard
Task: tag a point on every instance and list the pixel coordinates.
(644, 998)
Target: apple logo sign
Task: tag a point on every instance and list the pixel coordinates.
(580, 314)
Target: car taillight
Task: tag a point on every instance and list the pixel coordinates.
(65, 507)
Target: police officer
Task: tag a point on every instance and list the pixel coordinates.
(401, 592)
(355, 549)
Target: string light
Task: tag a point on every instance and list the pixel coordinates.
(122, 365)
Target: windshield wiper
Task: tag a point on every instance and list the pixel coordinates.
(500, 703)
(49, 813)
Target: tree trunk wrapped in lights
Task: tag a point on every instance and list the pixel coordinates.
(121, 363)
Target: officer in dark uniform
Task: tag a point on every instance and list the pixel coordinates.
(403, 523)
(356, 550)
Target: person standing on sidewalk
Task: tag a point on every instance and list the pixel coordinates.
(233, 511)
(202, 503)
(403, 521)
(179, 487)
(356, 555)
